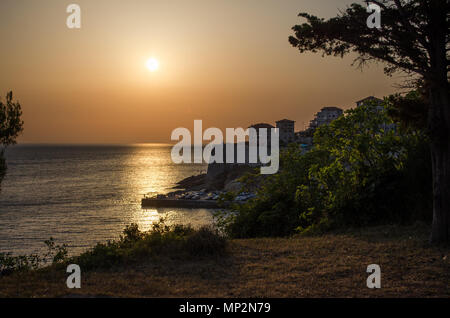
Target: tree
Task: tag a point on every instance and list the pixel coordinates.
(371, 177)
(413, 39)
(11, 125)
(362, 169)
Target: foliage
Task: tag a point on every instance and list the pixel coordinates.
(413, 38)
(175, 241)
(135, 245)
(56, 253)
(404, 42)
(410, 110)
(10, 263)
(205, 241)
(275, 211)
(11, 125)
(367, 180)
(363, 169)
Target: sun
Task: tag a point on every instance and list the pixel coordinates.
(152, 64)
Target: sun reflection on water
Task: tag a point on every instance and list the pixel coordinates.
(149, 169)
(82, 195)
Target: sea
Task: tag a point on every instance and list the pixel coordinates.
(83, 194)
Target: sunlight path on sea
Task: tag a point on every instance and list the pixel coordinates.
(81, 195)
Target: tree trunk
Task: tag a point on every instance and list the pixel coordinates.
(439, 121)
(439, 125)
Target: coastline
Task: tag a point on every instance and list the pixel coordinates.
(198, 191)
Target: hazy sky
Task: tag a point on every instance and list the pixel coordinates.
(227, 62)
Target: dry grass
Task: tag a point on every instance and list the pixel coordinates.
(333, 265)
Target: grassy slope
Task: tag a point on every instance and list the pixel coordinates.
(332, 265)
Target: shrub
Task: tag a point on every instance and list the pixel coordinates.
(10, 263)
(205, 242)
(177, 241)
(133, 246)
(362, 170)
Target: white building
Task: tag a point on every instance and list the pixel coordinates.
(326, 116)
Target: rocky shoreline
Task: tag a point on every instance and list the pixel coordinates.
(197, 192)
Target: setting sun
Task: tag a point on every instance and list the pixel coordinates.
(152, 64)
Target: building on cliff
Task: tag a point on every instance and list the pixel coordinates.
(371, 99)
(287, 131)
(326, 116)
(288, 135)
(268, 128)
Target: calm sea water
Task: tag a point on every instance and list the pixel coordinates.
(81, 195)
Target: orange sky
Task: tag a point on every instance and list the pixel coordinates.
(226, 62)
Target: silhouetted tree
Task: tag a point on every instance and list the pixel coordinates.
(410, 110)
(11, 125)
(414, 39)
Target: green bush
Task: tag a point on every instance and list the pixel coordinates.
(176, 241)
(205, 242)
(362, 170)
(9, 263)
